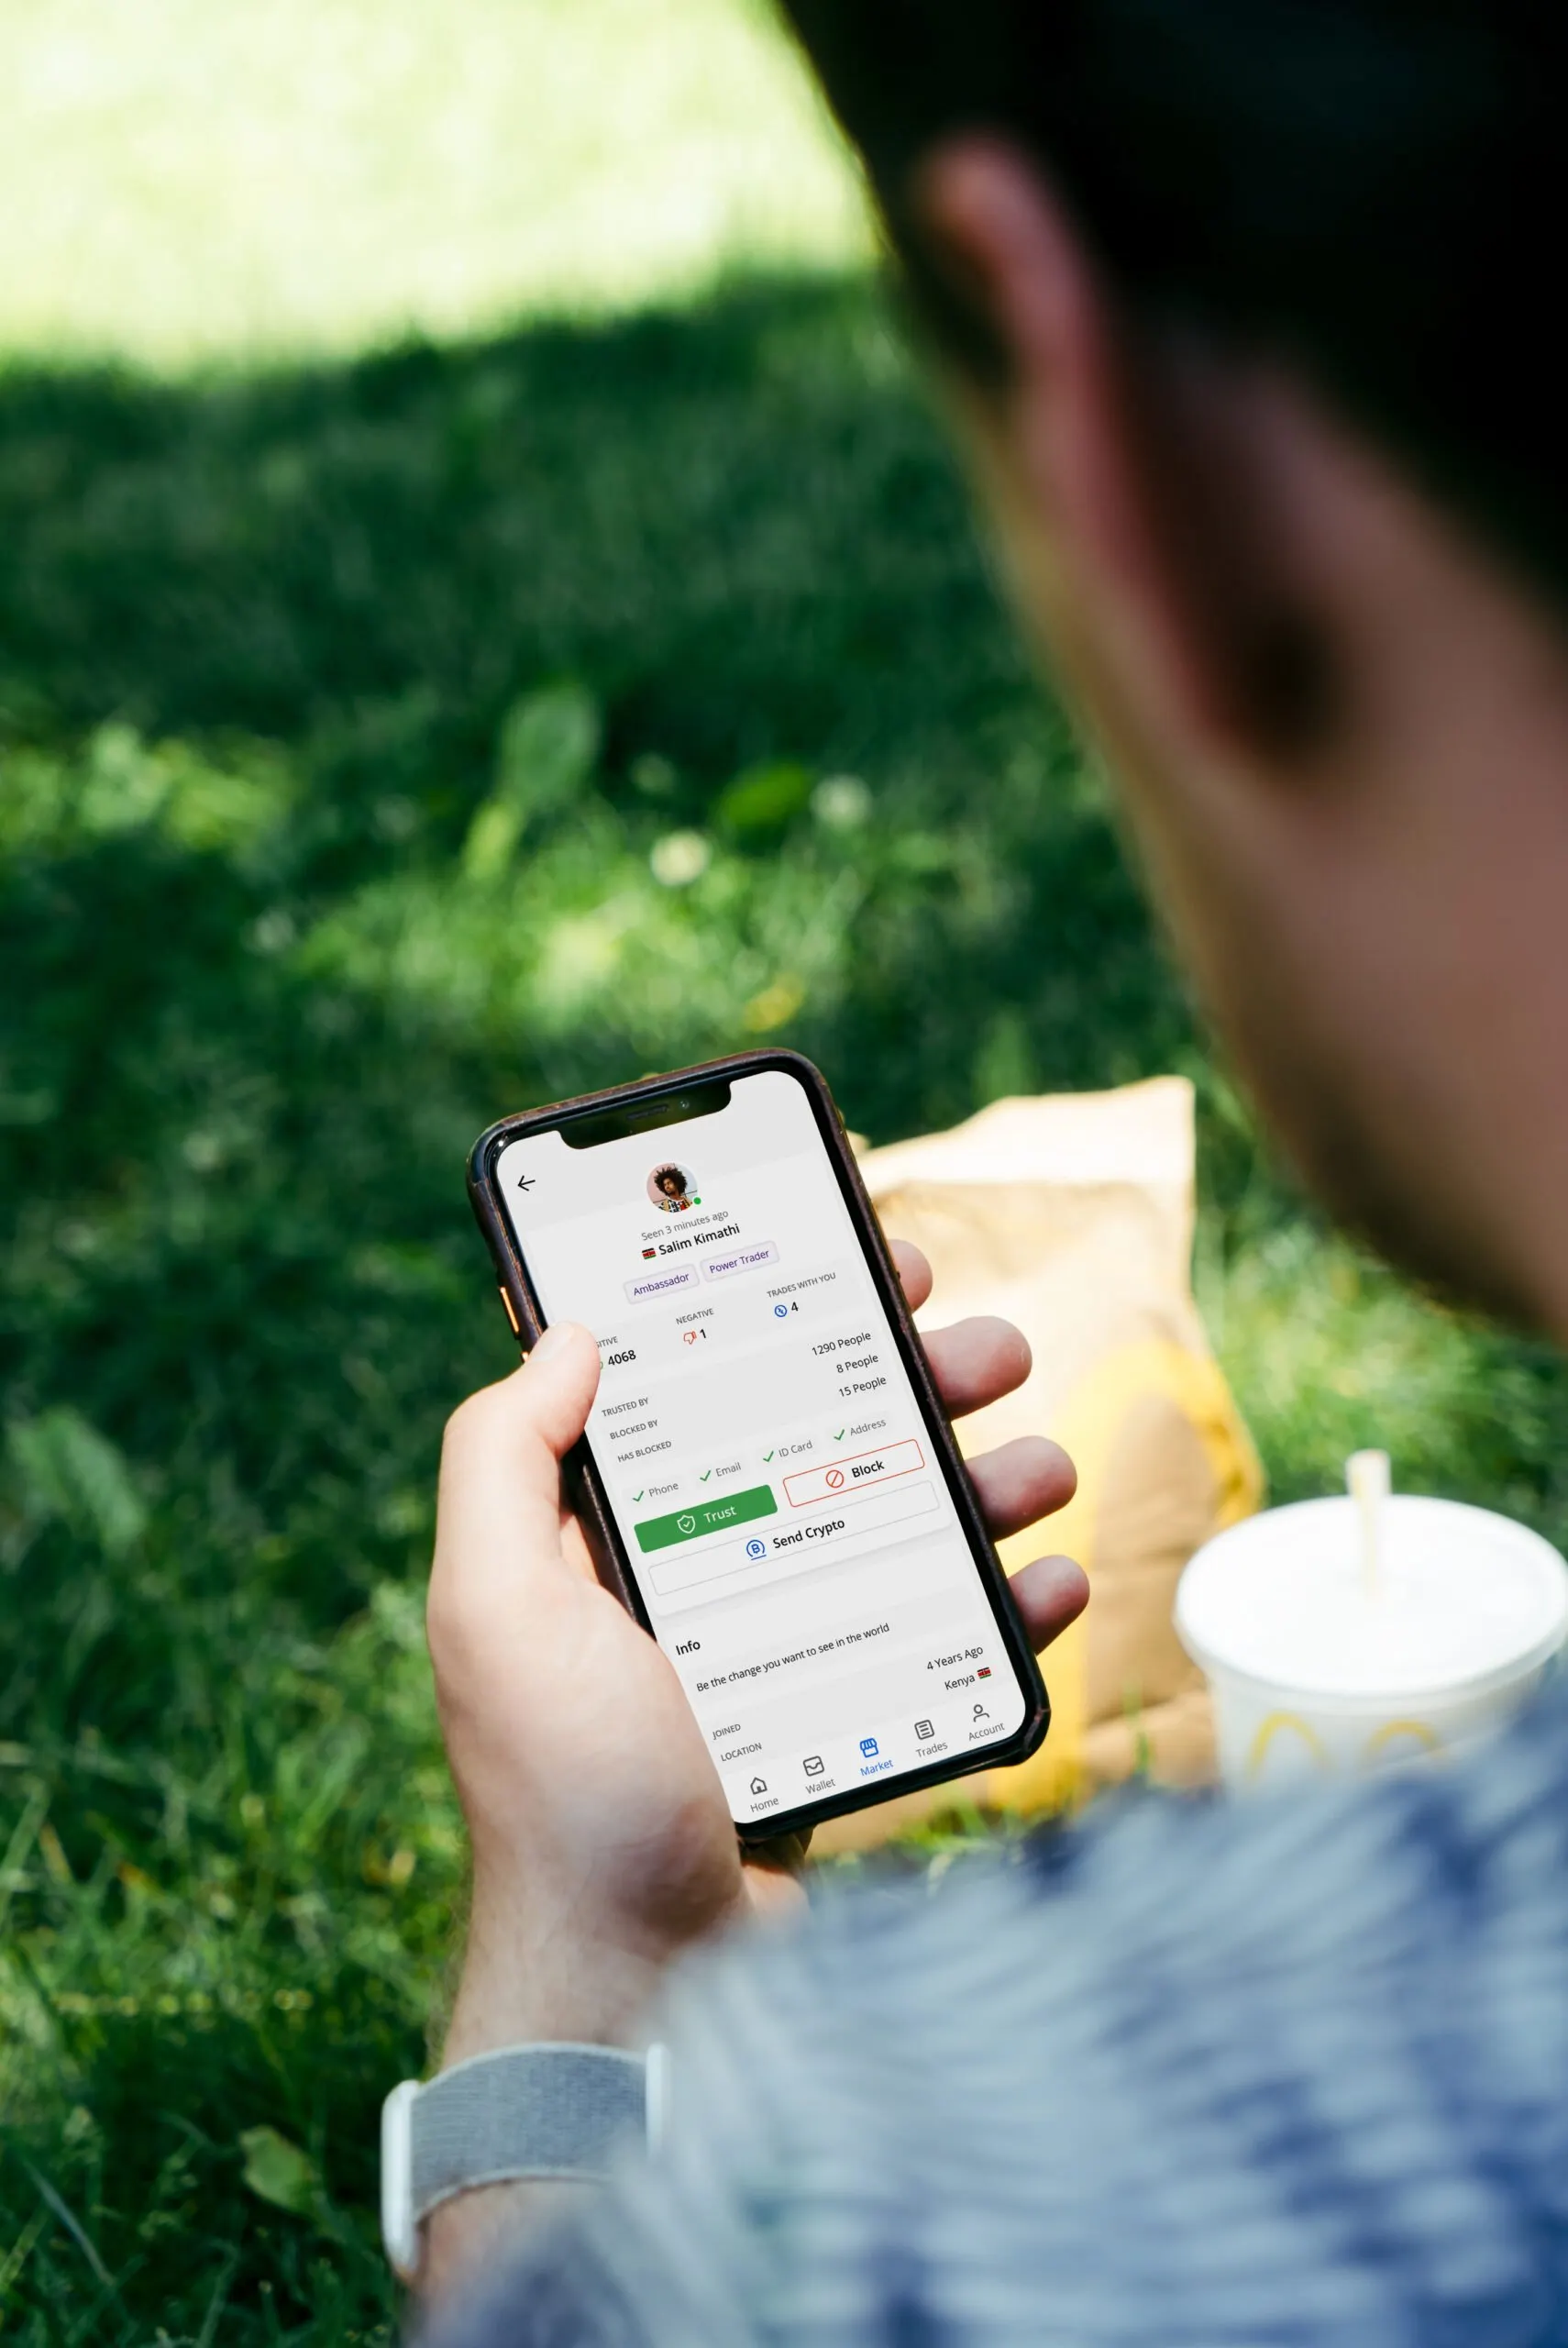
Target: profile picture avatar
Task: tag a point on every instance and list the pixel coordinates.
(672, 1189)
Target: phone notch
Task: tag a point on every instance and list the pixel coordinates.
(646, 1116)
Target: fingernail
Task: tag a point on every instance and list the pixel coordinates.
(556, 1339)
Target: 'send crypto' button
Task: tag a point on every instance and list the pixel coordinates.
(706, 1516)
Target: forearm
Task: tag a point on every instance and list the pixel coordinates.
(521, 1987)
(525, 1981)
(477, 2232)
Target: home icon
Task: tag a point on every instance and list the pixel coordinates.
(759, 1785)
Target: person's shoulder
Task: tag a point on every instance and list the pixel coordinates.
(951, 2090)
(1365, 1917)
(1294, 1882)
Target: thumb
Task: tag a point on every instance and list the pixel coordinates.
(499, 1514)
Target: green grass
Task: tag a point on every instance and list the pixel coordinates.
(351, 716)
(207, 179)
(384, 744)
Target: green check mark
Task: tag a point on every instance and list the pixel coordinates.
(635, 1497)
(840, 1435)
(704, 1477)
(766, 1457)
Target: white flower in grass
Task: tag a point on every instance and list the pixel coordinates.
(679, 859)
(842, 802)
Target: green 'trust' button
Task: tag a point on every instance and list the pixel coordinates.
(706, 1516)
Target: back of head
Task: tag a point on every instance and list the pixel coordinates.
(1259, 370)
(1367, 189)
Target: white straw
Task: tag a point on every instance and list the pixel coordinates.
(1369, 1481)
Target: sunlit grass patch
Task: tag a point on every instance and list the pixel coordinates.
(181, 180)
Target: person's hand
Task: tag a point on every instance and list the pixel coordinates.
(603, 1844)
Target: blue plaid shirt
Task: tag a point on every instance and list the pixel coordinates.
(1193, 2075)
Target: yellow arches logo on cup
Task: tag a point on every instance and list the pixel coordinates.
(1381, 1747)
(1286, 1724)
(1425, 1740)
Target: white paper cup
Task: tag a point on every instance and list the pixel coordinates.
(1315, 1673)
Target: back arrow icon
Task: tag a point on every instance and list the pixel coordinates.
(525, 1182)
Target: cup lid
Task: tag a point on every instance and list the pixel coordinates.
(1463, 1597)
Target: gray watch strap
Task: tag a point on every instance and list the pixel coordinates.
(523, 2111)
(528, 2112)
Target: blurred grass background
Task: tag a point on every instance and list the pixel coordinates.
(485, 608)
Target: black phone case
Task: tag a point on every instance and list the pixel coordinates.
(586, 1490)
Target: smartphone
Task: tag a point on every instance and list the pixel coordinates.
(768, 1480)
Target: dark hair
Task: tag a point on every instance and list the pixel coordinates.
(1371, 190)
(666, 1173)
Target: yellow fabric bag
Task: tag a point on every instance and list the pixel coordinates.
(1073, 1217)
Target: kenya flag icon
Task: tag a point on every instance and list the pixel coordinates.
(647, 1252)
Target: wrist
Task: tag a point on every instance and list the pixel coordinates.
(503, 2000)
(532, 1976)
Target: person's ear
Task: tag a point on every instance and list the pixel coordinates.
(1158, 484)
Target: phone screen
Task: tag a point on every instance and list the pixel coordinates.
(764, 1452)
